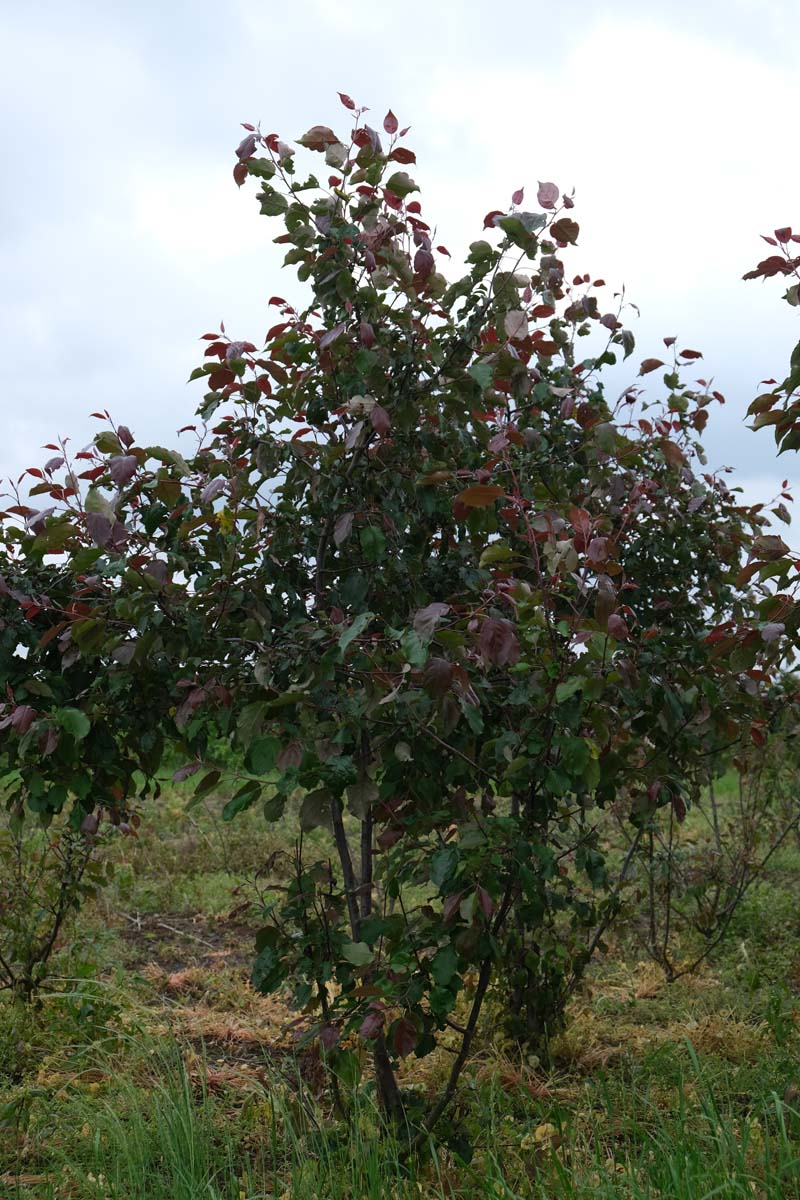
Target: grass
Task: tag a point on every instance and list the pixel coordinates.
(164, 1075)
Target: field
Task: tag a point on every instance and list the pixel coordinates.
(158, 1071)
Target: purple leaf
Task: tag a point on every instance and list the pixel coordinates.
(22, 718)
(330, 337)
(329, 1036)
(123, 468)
(498, 642)
(342, 528)
(437, 677)
(426, 619)
(547, 195)
(372, 1025)
(380, 420)
(404, 1036)
(246, 146)
(212, 490)
(99, 528)
(186, 772)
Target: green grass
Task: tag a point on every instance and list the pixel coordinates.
(162, 1075)
(160, 1133)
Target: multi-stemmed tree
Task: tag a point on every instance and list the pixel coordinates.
(446, 600)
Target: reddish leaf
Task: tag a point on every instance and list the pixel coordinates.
(372, 1025)
(380, 420)
(650, 364)
(672, 453)
(547, 196)
(212, 490)
(598, 552)
(329, 1037)
(770, 547)
(346, 101)
(426, 619)
(22, 718)
(220, 379)
(774, 265)
(404, 1036)
(342, 528)
(423, 263)
(98, 528)
(246, 147)
(516, 324)
(480, 495)
(498, 642)
(240, 173)
(123, 467)
(90, 824)
(330, 337)
(690, 354)
(186, 771)
(517, 197)
(319, 137)
(565, 230)
(485, 901)
(402, 155)
(390, 122)
(617, 627)
(437, 677)
(290, 756)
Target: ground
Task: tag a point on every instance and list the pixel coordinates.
(163, 1074)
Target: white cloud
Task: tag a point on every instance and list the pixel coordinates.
(122, 236)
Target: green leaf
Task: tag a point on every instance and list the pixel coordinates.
(273, 808)
(373, 543)
(413, 649)
(357, 627)
(267, 974)
(496, 552)
(246, 796)
(482, 374)
(263, 753)
(74, 721)
(443, 865)
(361, 795)
(250, 721)
(180, 462)
(315, 810)
(401, 184)
(54, 536)
(357, 953)
(569, 687)
(96, 502)
(207, 783)
(272, 203)
(262, 168)
(444, 965)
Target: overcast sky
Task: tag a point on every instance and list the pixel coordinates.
(123, 236)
